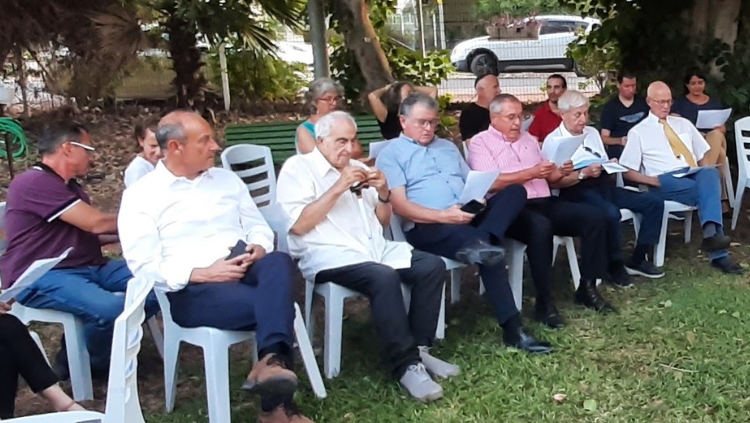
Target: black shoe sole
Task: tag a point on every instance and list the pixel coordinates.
(280, 386)
(635, 272)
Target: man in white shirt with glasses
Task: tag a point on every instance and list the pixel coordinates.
(338, 208)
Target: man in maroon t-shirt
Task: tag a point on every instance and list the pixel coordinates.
(547, 117)
(48, 212)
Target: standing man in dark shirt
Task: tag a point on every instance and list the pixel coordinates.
(621, 113)
(48, 212)
(475, 118)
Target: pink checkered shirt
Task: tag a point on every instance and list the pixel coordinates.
(489, 150)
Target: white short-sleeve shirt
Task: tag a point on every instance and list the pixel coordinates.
(648, 150)
(593, 140)
(137, 169)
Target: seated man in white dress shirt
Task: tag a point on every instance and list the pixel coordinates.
(178, 224)
(660, 151)
(337, 231)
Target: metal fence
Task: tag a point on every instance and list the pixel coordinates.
(523, 52)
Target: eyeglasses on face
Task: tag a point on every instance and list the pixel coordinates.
(88, 148)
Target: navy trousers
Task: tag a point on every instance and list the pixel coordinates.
(610, 200)
(490, 226)
(702, 190)
(262, 302)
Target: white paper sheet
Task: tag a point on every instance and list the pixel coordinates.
(582, 158)
(34, 272)
(477, 185)
(611, 168)
(691, 171)
(562, 149)
(712, 118)
(376, 147)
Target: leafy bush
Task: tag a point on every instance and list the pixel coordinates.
(259, 75)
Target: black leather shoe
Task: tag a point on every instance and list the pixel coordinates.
(619, 277)
(726, 265)
(480, 252)
(588, 296)
(526, 342)
(715, 243)
(550, 317)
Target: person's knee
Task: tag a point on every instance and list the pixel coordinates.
(612, 213)
(541, 229)
(103, 314)
(383, 280)
(515, 192)
(280, 259)
(429, 266)
(11, 326)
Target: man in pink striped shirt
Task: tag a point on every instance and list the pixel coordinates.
(504, 146)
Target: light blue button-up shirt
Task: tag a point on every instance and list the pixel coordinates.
(433, 175)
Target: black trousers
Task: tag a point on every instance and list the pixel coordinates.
(400, 333)
(490, 226)
(19, 355)
(541, 219)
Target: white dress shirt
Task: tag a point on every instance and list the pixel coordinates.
(137, 169)
(648, 150)
(171, 225)
(344, 237)
(592, 141)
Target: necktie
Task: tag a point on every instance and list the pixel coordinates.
(678, 147)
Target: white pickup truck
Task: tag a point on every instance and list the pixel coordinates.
(546, 51)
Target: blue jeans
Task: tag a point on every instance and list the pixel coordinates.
(610, 200)
(88, 293)
(702, 190)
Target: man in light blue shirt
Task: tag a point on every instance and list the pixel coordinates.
(426, 176)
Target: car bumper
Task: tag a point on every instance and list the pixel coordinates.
(461, 66)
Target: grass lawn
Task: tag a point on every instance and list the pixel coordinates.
(676, 352)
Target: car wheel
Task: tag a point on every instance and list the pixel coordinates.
(580, 72)
(484, 63)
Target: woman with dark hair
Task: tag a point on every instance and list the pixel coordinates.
(688, 107)
(386, 101)
(145, 161)
(19, 355)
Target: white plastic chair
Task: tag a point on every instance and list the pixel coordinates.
(215, 344)
(123, 403)
(250, 162)
(742, 141)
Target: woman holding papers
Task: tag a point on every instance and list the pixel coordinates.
(690, 107)
(19, 355)
(594, 183)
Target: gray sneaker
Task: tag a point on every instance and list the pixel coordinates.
(436, 367)
(420, 385)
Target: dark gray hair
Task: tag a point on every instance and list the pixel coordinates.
(417, 98)
(325, 123)
(58, 133)
(571, 99)
(319, 87)
(169, 131)
(496, 105)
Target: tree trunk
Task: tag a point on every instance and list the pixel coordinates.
(361, 39)
(186, 63)
(709, 20)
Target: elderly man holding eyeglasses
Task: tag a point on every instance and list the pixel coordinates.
(591, 185)
(47, 212)
(667, 153)
(426, 176)
(517, 155)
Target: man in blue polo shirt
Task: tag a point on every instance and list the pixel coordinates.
(426, 175)
(48, 212)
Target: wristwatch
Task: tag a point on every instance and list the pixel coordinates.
(387, 199)
(581, 176)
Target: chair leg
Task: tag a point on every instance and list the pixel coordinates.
(738, 201)
(688, 226)
(308, 357)
(636, 225)
(155, 329)
(662, 245)
(334, 326)
(455, 285)
(440, 332)
(216, 358)
(79, 362)
(573, 261)
(171, 367)
(515, 273)
(731, 193)
(309, 297)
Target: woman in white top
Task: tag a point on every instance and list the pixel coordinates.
(144, 162)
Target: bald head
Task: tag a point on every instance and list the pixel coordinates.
(188, 143)
(488, 87)
(659, 99)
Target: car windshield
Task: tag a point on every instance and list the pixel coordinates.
(561, 27)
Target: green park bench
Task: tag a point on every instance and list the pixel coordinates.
(279, 136)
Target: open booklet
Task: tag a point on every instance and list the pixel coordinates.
(584, 157)
(477, 185)
(32, 274)
(562, 149)
(691, 171)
